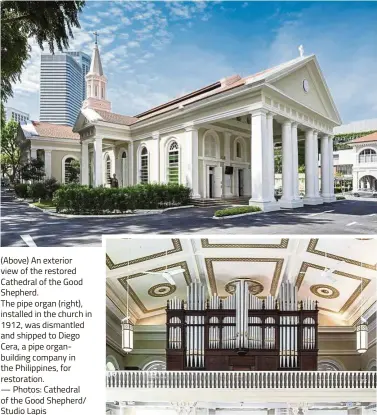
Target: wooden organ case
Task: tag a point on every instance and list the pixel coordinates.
(242, 332)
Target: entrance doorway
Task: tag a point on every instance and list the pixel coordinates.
(240, 182)
(210, 183)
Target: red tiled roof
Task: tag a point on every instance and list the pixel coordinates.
(366, 138)
(45, 129)
(116, 118)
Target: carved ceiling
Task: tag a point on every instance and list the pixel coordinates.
(341, 294)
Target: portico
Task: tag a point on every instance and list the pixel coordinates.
(219, 140)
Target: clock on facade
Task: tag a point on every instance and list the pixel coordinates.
(305, 85)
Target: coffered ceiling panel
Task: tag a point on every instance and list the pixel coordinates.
(340, 273)
(125, 252)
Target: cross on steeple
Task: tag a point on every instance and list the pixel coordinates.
(96, 37)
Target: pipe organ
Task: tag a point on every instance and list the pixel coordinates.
(242, 331)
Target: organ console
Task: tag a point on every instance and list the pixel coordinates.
(242, 331)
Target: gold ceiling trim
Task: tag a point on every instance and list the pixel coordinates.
(312, 249)
(275, 280)
(331, 293)
(282, 245)
(363, 284)
(177, 247)
(124, 282)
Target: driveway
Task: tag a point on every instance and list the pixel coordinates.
(22, 225)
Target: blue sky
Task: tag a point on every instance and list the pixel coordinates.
(155, 51)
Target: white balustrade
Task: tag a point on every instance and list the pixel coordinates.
(241, 380)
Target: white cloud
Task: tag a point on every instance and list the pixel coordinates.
(133, 44)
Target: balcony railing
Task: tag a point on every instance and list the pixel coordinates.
(241, 380)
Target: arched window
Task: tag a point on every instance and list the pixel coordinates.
(210, 146)
(71, 170)
(368, 156)
(102, 93)
(329, 366)
(107, 169)
(155, 365)
(173, 163)
(238, 150)
(111, 363)
(144, 168)
(123, 167)
(96, 89)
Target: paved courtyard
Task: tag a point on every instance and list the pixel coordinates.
(22, 225)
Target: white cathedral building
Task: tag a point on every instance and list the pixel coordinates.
(218, 140)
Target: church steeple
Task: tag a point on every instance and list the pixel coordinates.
(96, 83)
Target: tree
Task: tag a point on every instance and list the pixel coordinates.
(33, 170)
(73, 171)
(48, 22)
(12, 150)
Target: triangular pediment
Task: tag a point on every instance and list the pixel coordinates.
(304, 83)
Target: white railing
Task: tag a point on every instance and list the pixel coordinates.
(241, 380)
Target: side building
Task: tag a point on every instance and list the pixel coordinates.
(63, 86)
(16, 115)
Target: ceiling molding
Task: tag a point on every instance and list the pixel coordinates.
(275, 280)
(282, 245)
(124, 282)
(177, 247)
(363, 284)
(313, 250)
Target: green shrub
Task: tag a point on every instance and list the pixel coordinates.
(37, 191)
(340, 198)
(51, 186)
(83, 200)
(21, 190)
(236, 211)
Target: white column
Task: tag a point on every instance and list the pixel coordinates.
(84, 164)
(316, 169)
(227, 180)
(325, 169)
(289, 170)
(98, 162)
(192, 159)
(48, 164)
(271, 153)
(155, 158)
(296, 183)
(311, 169)
(261, 193)
(33, 153)
(332, 196)
(131, 181)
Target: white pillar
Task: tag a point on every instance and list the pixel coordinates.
(325, 169)
(332, 196)
(289, 170)
(84, 164)
(227, 180)
(311, 169)
(131, 163)
(261, 194)
(48, 164)
(191, 146)
(271, 153)
(296, 183)
(155, 158)
(98, 162)
(316, 167)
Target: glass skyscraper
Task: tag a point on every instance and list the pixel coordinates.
(63, 86)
